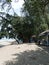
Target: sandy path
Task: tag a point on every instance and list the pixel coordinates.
(10, 52)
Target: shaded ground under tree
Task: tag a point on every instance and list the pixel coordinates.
(37, 57)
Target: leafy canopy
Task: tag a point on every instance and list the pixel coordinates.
(34, 21)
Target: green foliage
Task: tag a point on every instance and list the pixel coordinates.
(37, 13)
(35, 21)
(8, 0)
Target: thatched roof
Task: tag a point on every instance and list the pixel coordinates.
(44, 33)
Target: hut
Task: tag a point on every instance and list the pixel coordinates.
(45, 37)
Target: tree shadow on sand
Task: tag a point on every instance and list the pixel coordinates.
(33, 57)
(1, 46)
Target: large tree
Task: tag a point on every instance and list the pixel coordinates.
(34, 21)
(37, 12)
(13, 26)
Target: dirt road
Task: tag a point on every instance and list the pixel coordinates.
(24, 54)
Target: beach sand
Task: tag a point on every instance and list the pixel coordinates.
(24, 54)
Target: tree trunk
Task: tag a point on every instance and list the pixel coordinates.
(25, 40)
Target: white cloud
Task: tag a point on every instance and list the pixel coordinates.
(17, 5)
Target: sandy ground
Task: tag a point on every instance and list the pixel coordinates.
(24, 54)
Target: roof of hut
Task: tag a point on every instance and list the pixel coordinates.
(33, 35)
(44, 33)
